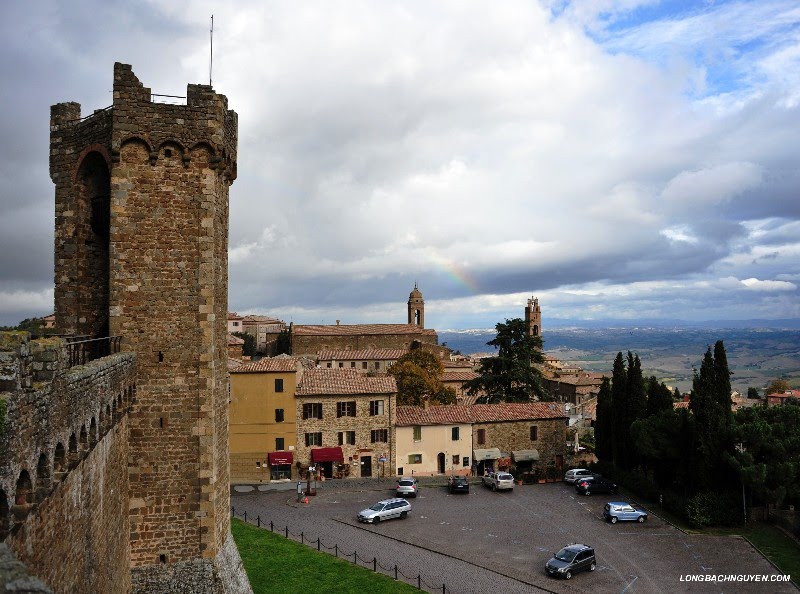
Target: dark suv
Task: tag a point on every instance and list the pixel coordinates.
(571, 559)
(458, 484)
(597, 484)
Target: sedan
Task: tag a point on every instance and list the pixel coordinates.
(587, 486)
(616, 511)
(458, 484)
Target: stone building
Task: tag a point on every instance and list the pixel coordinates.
(532, 434)
(141, 239)
(345, 423)
(311, 339)
(262, 420)
(266, 331)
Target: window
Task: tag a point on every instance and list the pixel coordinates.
(341, 364)
(415, 459)
(279, 415)
(465, 463)
(481, 436)
(375, 408)
(330, 365)
(347, 437)
(363, 365)
(454, 433)
(313, 439)
(279, 443)
(417, 433)
(377, 364)
(379, 435)
(353, 364)
(279, 385)
(534, 433)
(312, 410)
(456, 458)
(346, 409)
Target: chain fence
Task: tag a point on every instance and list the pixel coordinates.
(365, 561)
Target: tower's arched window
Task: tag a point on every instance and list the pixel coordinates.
(43, 478)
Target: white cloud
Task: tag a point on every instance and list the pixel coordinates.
(768, 285)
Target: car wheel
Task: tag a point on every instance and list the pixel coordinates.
(642, 519)
(377, 520)
(404, 514)
(568, 575)
(593, 566)
(613, 519)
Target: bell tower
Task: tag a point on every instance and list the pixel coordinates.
(416, 308)
(533, 317)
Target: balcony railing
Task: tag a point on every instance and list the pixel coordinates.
(82, 351)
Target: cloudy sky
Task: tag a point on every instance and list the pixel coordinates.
(616, 158)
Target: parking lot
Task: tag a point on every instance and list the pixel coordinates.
(485, 540)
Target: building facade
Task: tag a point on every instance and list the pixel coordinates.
(263, 420)
(434, 440)
(345, 423)
(363, 360)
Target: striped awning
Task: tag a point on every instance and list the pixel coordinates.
(487, 454)
(525, 455)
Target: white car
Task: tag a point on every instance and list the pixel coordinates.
(385, 510)
(576, 473)
(498, 481)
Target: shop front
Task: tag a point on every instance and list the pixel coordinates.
(486, 459)
(280, 465)
(526, 461)
(325, 458)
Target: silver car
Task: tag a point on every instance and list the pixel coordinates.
(406, 487)
(576, 473)
(385, 510)
(498, 481)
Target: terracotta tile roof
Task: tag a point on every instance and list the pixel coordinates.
(232, 315)
(681, 404)
(262, 320)
(233, 364)
(321, 382)
(458, 364)
(478, 413)
(361, 354)
(360, 329)
(234, 340)
(458, 376)
(267, 365)
(786, 394)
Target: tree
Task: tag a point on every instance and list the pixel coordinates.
(283, 344)
(249, 347)
(659, 396)
(510, 376)
(752, 393)
(418, 374)
(604, 424)
(778, 386)
(619, 397)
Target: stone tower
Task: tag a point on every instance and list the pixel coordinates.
(416, 308)
(533, 317)
(141, 248)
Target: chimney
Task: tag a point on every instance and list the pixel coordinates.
(337, 322)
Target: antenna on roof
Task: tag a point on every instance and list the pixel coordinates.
(211, 54)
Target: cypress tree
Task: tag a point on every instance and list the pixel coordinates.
(604, 424)
(619, 399)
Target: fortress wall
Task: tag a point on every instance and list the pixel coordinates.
(63, 469)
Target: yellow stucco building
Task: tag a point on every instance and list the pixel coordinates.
(262, 420)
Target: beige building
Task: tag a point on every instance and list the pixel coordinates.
(265, 330)
(434, 440)
(235, 322)
(363, 360)
(262, 420)
(345, 423)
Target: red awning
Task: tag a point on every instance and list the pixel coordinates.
(280, 458)
(327, 455)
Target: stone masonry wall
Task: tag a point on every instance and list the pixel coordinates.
(310, 344)
(512, 436)
(64, 464)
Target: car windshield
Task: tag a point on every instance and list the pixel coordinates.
(406, 483)
(377, 507)
(461, 480)
(505, 477)
(565, 555)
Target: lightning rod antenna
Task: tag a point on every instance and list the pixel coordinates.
(211, 55)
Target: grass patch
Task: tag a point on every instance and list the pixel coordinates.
(775, 545)
(276, 564)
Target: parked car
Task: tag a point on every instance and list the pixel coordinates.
(596, 484)
(406, 487)
(458, 484)
(570, 560)
(615, 511)
(498, 481)
(385, 510)
(576, 473)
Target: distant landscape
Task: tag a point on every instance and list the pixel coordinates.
(756, 356)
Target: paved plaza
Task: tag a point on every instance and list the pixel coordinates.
(485, 541)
